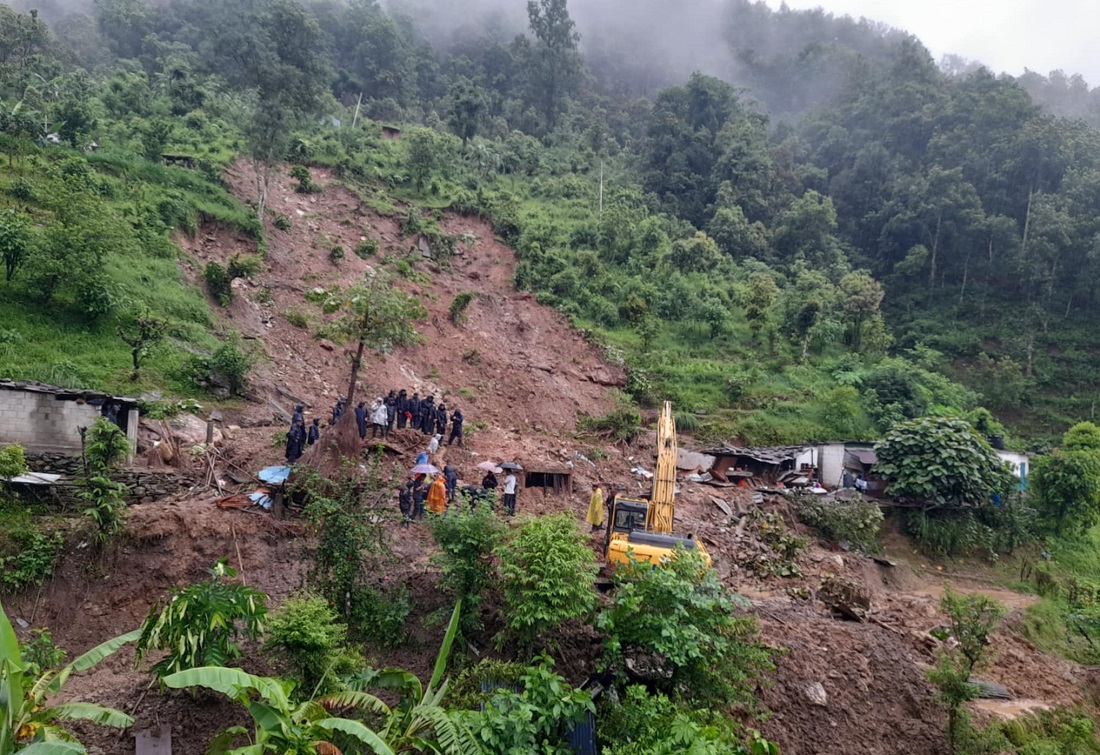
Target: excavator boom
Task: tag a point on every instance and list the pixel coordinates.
(662, 506)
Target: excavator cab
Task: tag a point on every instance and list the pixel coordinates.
(627, 533)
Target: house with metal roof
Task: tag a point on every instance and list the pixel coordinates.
(48, 419)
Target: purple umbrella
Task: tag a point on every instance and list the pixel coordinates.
(425, 469)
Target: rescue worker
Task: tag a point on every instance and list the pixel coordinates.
(405, 502)
(427, 415)
(420, 494)
(402, 406)
(314, 431)
(338, 410)
(450, 476)
(414, 411)
(511, 488)
(295, 441)
(441, 421)
(437, 496)
(456, 427)
(391, 411)
(299, 415)
(361, 419)
(595, 507)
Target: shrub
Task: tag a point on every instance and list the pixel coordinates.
(233, 363)
(13, 461)
(620, 425)
(296, 317)
(105, 507)
(379, 614)
(244, 266)
(282, 222)
(336, 254)
(305, 631)
(855, 522)
(33, 554)
(676, 628)
(22, 189)
(457, 311)
(105, 445)
(548, 570)
(40, 654)
(199, 625)
(218, 283)
(467, 537)
(300, 173)
(367, 248)
(535, 716)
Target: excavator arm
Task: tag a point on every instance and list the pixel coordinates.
(662, 506)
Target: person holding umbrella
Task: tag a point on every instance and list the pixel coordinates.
(437, 496)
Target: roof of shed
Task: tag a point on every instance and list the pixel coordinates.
(764, 455)
(33, 386)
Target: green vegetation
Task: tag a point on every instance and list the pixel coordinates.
(13, 460)
(199, 624)
(467, 536)
(972, 618)
(548, 570)
(1067, 482)
(28, 722)
(940, 461)
(855, 522)
(676, 628)
(306, 632)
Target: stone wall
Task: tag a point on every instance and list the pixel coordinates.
(42, 422)
(146, 485)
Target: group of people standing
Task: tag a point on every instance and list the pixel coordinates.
(298, 437)
(398, 408)
(422, 492)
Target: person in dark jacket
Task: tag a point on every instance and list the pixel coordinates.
(405, 502)
(391, 411)
(338, 410)
(450, 477)
(427, 416)
(489, 481)
(402, 406)
(414, 411)
(420, 495)
(456, 427)
(361, 419)
(441, 421)
(299, 415)
(314, 431)
(295, 442)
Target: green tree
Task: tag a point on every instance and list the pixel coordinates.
(939, 461)
(199, 624)
(759, 301)
(13, 460)
(1066, 483)
(155, 135)
(697, 254)
(144, 330)
(677, 630)
(468, 105)
(862, 296)
(557, 63)
(305, 631)
(467, 537)
(105, 445)
(426, 153)
(972, 619)
(548, 571)
(27, 718)
(15, 241)
(377, 314)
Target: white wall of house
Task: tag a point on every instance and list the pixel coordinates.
(1020, 463)
(40, 422)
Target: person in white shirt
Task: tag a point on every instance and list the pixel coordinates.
(433, 444)
(510, 485)
(379, 417)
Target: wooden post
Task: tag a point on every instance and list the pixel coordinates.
(278, 507)
(132, 433)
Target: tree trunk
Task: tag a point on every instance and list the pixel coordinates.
(355, 365)
(966, 273)
(805, 345)
(935, 248)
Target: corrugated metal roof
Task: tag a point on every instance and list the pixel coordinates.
(865, 455)
(764, 455)
(33, 386)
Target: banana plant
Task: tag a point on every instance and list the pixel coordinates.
(418, 723)
(281, 726)
(27, 723)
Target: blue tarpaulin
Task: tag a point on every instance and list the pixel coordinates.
(274, 475)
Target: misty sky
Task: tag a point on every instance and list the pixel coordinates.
(1006, 35)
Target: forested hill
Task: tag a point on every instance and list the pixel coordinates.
(814, 234)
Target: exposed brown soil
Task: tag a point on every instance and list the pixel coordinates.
(531, 376)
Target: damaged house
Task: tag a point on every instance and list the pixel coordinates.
(48, 419)
(757, 467)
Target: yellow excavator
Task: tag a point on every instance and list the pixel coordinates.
(644, 527)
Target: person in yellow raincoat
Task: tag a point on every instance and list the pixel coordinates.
(595, 507)
(437, 496)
